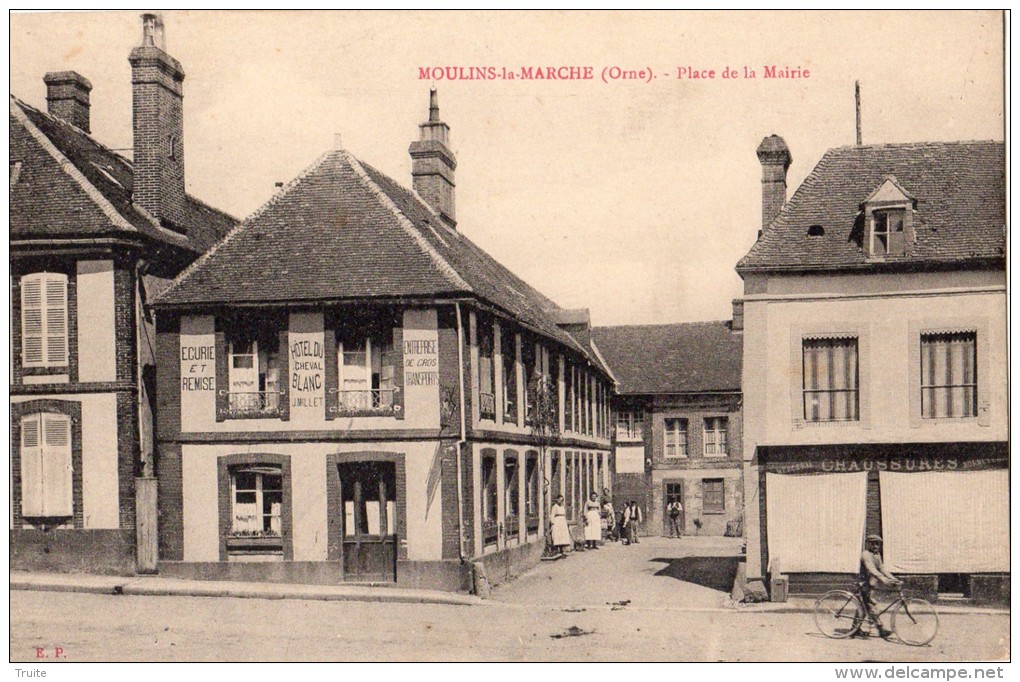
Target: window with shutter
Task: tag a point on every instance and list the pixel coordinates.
(46, 469)
(44, 320)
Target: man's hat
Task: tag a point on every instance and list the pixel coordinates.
(874, 538)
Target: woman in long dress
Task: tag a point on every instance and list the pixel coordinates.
(592, 522)
(560, 532)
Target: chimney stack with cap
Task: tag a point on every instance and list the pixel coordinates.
(67, 97)
(157, 87)
(433, 164)
(775, 159)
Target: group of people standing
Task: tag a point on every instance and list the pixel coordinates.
(601, 522)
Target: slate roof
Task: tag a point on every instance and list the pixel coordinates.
(344, 230)
(692, 357)
(960, 211)
(69, 185)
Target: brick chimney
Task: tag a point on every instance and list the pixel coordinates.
(433, 164)
(157, 89)
(67, 97)
(737, 323)
(775, 159)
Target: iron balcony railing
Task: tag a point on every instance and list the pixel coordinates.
(253, 403)
(366, 400)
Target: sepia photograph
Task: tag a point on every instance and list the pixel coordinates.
(495, 337)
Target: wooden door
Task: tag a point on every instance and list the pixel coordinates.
(368, 495)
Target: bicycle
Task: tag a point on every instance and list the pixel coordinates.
(840, 614)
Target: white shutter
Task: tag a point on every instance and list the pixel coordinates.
(945, 521)
(816, 522)
(57, 468)
(31, 321)
(31, 467)
(56, 319)
(44, 320)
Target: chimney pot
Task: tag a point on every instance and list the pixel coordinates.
(153, 33)
(775, 159)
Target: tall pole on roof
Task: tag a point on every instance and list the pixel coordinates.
(857, 99)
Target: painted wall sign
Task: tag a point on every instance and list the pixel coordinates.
(307, 370)
(902, 463)
(421, 359)
(198, 366)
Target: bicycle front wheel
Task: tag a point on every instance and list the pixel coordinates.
(915, 622)
(838, 614)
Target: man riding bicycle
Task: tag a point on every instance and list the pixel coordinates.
(873, 575)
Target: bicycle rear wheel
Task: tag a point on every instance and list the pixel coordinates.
(838, 614)
(915, 622)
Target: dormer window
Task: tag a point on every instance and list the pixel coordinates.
(887, 232)
(888, 220)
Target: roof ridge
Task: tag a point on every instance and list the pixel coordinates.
(441, 263)
(66, 165)
(930, 143)
(272, 201)
(663, 324)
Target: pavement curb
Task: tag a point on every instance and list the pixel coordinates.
(155, 587)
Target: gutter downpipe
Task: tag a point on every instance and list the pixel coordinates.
(463, 435)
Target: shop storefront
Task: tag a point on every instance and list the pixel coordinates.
(942, 509)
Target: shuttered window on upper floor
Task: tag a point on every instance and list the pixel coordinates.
(44, 320)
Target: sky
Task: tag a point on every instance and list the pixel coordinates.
(633, 198)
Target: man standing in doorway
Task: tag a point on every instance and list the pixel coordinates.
(631, 521)
(673, 510)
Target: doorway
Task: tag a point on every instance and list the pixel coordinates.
(369, 520)
(673, 490)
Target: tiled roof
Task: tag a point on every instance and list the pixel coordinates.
(672, 358)
(959, 188)
(69, 185)
(344, 230)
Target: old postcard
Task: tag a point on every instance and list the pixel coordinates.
(509, 336)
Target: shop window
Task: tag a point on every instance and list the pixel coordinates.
(256, 512)
(675, 438)
(949, 375)
(713, 497)
(366, 367)
(887, 232)
(715, 437)
(44, 320)
(630, 426)
(830, 379)
(486, 370)
(46, 466)
(512, 501)
(490, 513)
(508, 350)
(255, 371)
